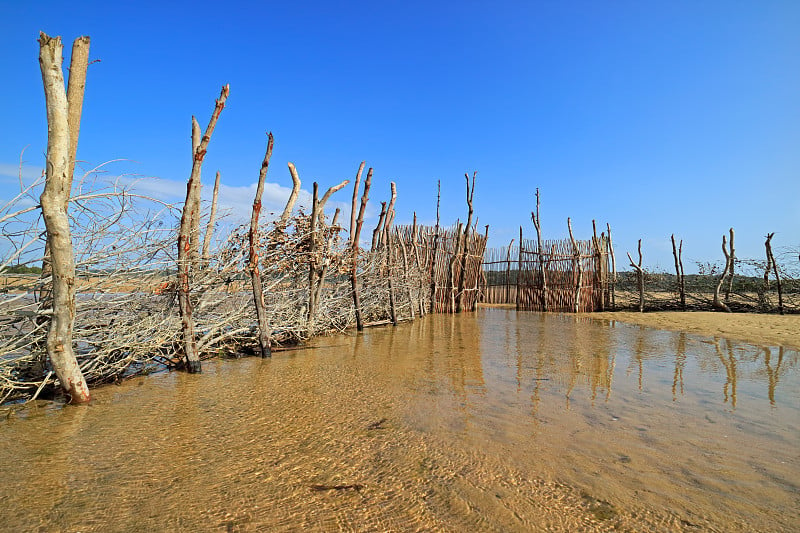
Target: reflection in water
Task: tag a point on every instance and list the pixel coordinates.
(680, 362)
(450, 423)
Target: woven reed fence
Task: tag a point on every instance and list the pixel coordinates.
(452, 264)
(562, 277)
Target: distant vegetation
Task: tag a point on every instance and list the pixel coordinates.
(21, 269)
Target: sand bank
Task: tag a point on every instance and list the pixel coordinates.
(766, 329)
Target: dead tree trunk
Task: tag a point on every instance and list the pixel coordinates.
(76, 85)
(771, 260)
(264, 330)
(717, 302)
(677, 252)
(613, 270)
(355, 248)
(186, 244)
(537, 223)
(212, 217)
(578, 267)
(462, 280)
(54, 201)
(639, 276)
(732, 261)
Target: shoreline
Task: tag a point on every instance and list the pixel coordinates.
(756, 328)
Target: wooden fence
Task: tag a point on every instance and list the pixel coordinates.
(559, 275)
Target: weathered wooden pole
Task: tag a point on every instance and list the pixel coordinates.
(387, 237)
(613, 270)
(677, 252)
(287, 210)
(421, 285)
(264, 330)
(355, 201)
(212, 217)
(480, 281)
(577, 267)
(507, 299)
(324, 270)
(719, 304)
(639, 276)
(354, 250)
(435, 247)
(771, 260)
(312, 258)
(327, 196)
(599, 274)
(186, 244)
(462, 279)
(409, 292)
(537, 224)
(732, 261)
(519, 273)
(54, 201)
(377, 233)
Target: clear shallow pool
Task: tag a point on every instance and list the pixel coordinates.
(492, 421)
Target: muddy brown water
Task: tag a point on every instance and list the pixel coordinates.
(491, 421)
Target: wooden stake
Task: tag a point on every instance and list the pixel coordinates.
(264, 330)
(378, 231)
(355, 248)
(639, 276)
(287, 210)
(771, 260)
(717, 302)
(676, 254)
(613, 269)
(578, 267)
(185, 243)
(356, 187)
(211, 220)
(519, 273)
(312, 258)
(732, 261)
(435, 246)
(537, 224)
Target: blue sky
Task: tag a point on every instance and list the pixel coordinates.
(657, 117)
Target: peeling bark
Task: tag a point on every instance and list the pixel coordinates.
(186, 244)
(264, 330)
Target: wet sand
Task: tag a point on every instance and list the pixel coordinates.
(764, 329)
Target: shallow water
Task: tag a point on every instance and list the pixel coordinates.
(492, 421)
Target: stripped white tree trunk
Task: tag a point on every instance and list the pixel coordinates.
(55, 200)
